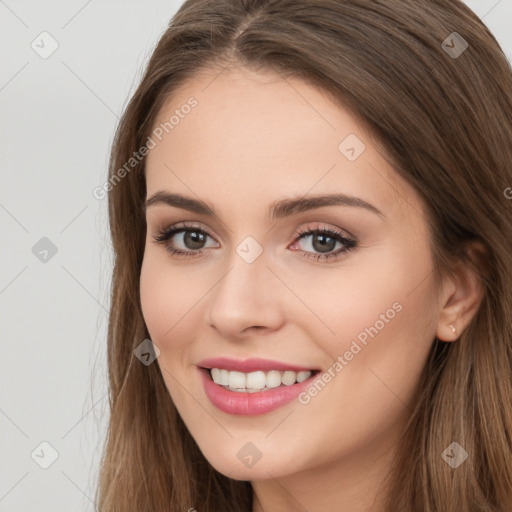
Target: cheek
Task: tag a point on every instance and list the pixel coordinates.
(384, 330)
(367, 293)
(377, 313)
(166, 297)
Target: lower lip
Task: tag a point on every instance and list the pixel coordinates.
(250, 404)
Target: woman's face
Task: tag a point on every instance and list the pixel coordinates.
(354, 301)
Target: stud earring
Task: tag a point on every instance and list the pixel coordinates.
(452, 328)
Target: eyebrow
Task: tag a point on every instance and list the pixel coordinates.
(277, 210)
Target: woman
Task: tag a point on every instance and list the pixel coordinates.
(311, 303)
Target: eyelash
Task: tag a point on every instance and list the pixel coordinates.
(164, 236)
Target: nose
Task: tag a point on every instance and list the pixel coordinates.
(248, 299)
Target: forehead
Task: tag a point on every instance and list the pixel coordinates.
(253, 137)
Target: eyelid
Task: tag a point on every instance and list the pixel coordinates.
(312, 226)
(170, 230)
(319, 226)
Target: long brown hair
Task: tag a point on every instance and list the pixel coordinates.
(444, 120)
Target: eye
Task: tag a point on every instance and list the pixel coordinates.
(191, 238)
(323, 240)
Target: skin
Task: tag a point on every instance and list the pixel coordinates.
(255, 138)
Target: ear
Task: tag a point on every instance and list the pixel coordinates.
(462, 293)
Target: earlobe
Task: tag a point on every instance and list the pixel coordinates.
(447, 333)
(461, 302)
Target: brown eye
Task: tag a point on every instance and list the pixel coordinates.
(320, 243)
(194, 240)
(323, 243)
(183, 240)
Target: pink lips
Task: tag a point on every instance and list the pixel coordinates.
(249, 404)
(249, 365)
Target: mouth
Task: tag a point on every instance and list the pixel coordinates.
(253, 386)
(259, 380)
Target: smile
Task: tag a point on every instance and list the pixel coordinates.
(257, 381)
(253, 386)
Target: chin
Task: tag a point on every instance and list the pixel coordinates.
(237, 468)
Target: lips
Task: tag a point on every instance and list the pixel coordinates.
(255, 402)
(251, 365)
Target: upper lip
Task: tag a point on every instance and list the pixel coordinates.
(249, 365)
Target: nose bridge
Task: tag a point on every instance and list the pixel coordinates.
(246, 295)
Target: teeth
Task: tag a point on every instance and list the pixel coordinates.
(273, 379)
(288, 378)
(256, 381)
(224, 377)
(220, 376)
(302, 376)
(236, 380)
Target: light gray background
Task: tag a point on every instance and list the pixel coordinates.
(58, 117)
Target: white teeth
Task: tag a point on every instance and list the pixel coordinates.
(224, 377)
(302, 376)
(273, 379)
(288, 378)
(258, 380)
(255, 380)
(236, 380)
